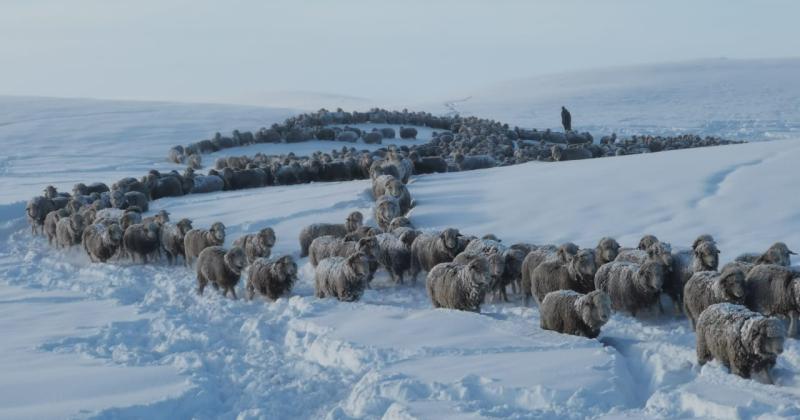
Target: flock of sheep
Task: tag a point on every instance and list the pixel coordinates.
(576, 289)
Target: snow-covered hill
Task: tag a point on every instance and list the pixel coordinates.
(69, 324)
(737, 99)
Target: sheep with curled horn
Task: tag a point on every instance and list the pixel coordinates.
(632, 287)
(459, 286)
(576, 274)
(221, 268)
(172, 239)
(69, 230)
(570, 312)
(257, 245)
(537, 256)
(102, 242)
(706, 288)
(427, 250)
(309, 233)
(343, 278)
(744, 341)
(271, 278)
(778, 254)
(141, 240)
(196, 240)
(774, 290)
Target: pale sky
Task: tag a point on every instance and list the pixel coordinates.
(200, 50)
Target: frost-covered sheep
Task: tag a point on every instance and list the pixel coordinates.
(576, 274)
(774, 290)
(495, 254)
(172, 239)
(386, 209)
(427, 250)
(539, 255)
(141, 240)
(400, 222)
(331, 246)
(50, 222)
(36, 211)
(309, 233)
(69, 230)
(177, 154)
(459, 286)
(123, 200)
(271, 278)
(408, 133)
(257, 245)
(632, 287)
(469, 163)
(379, 185)
(647, 241)
(778, 254)
(606, 251)
(222, 269)
(569, 312)
(101, 242)
(560, 153)
(344, 278)
(159, 218)
(196, 240)
(394, 253)
(706, 288)
(744, 341)
(206, 184)
(398, 191)
(705, 257)
(81, 189)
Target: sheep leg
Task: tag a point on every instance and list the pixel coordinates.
(792, 324)
(504, 294)
(201, 283)
(233, 293)
(251, 291)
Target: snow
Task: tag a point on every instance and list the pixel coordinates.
(119, 340)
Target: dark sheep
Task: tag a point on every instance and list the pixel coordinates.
(309, 233)
(427, 250)
(141, 240)
(257, 245)
(101, 242)
(222, 269)
(172, 239)
(632, 287)
(69, 230)
(196, 240)
(569, 312)
(271, 278)
(457, 286)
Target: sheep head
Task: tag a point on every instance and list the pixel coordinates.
(703, 238)
(407, 237)
(707, 255)
(764, 336)
(731, 283)
(450, 239)
(778, 253)
(76, 223)
(286, 266)
(80, 189)
(583, 266)
(607, 250)
(266, 237)
(184, 225)
(399, 222)
(651, 275)
(218, 232)
(594, 308)
(369, 246)
(660, 251)
(114, 233)
(394, 188)
(566, 251)
(359, 264)
(161, 217)
(647, 241)
(235, 259)
(354, 221)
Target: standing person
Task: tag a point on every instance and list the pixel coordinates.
(566, 119)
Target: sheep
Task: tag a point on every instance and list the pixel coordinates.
(309, 233)
(196, 240)
(50, 221)
(379, 185)
(172, 239)
(741, 265)
(36, 211)
(271, 278)
(647, 241)
(142, 240)
(632, 287)
(331, 246)
(81, 189)
(469, 163)
(744, 341)
(706, 288)
(705, 257)
(458, 286)
(495, 254)
(408, 133)
(576, 274)
(177, 154)
(69, 230)
(514, 256)
(223, 269)
(207, 184)
(560, 153)
(539, 255)
(569, 312)
(101, 242)
(399, 192)
(394, 253)
(163, 185)
(195, 161)
(386, 209)
(374, 137)
(427, 250)
(257, 245)
(344, 278)
(778, 254)
(773, 289)
(606, 251)
(159, 218)
(429, 164)
(130, 199)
